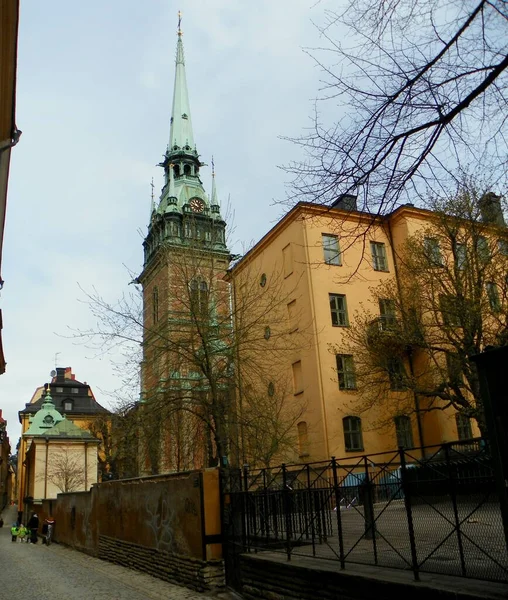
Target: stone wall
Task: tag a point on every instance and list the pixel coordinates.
(271, 577)
(174, 568)
(167, 525)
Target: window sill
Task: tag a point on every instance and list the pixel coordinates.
(298, 393)
(304, 455)
(381, 270)
(355, 450)
(340, 325)
(355, 389)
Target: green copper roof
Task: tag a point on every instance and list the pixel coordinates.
(67, 429)
(45, 418)
(181, 124)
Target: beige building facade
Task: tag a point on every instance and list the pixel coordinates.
(329, 263)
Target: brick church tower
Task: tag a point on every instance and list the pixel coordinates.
(186, 302)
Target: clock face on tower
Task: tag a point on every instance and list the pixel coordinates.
(197, 205)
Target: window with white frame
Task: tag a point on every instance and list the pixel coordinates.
(379, 260)
(404, 431)
(433, 252)
(387, 313)
(353, 439)
(331, 249)
(346, 371)
(464, 429)
(338, 310)
(396, 374)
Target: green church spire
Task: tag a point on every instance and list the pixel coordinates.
(180, 135)
(184, 215)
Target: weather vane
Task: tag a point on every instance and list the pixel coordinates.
(179, 23)
(213, 168)
(152, 186)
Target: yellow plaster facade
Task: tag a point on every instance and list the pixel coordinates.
(293, 250)
(80, 413)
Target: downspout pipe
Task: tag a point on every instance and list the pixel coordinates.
(410, 354)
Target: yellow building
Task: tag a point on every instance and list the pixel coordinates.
(60, 456)
(71, 398)
(330, 263)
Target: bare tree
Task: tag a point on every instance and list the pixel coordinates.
(198, 343)
(66, 470)
(421, 89)
(448, 301)
(268, 422)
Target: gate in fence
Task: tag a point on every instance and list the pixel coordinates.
(438, 514)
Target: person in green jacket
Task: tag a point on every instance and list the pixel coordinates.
(22, 533)
(14, 532)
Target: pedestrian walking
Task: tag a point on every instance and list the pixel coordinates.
(14, 532)
(33, 526)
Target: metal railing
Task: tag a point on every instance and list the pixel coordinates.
(426, 511)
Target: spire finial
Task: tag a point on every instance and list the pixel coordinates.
(153, 201)
(180, 24)
(215, 198)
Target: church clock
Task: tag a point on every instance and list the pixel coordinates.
(197, 205)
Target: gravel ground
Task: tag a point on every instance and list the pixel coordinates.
(59, 573)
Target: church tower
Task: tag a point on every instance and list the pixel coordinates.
(185, 304)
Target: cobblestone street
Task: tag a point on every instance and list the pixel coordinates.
(59, 573)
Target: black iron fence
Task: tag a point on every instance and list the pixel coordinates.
(433, 509)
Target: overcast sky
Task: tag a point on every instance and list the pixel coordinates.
(94, 95)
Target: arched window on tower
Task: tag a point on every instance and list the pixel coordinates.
(187, 170)
(155, 304)
(199, 297)
(176, 171)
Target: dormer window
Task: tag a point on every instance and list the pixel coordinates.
(59, 390)
(74, 391)
(184, 116)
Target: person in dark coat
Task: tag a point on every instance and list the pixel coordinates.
(33, 525)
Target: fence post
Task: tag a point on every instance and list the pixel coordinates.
(285, 495)
(368, 508)
(311, 512)
(265, 517)
(453, 494)
(409, 513)
(339, 516)
(246, 505)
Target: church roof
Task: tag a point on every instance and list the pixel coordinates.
(45, 418)
(181, 134)
(67, 429)
(68, 395)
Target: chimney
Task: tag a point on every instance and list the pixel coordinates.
(345, 202)
(490, 209)
(60, 374)
(69, 374)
